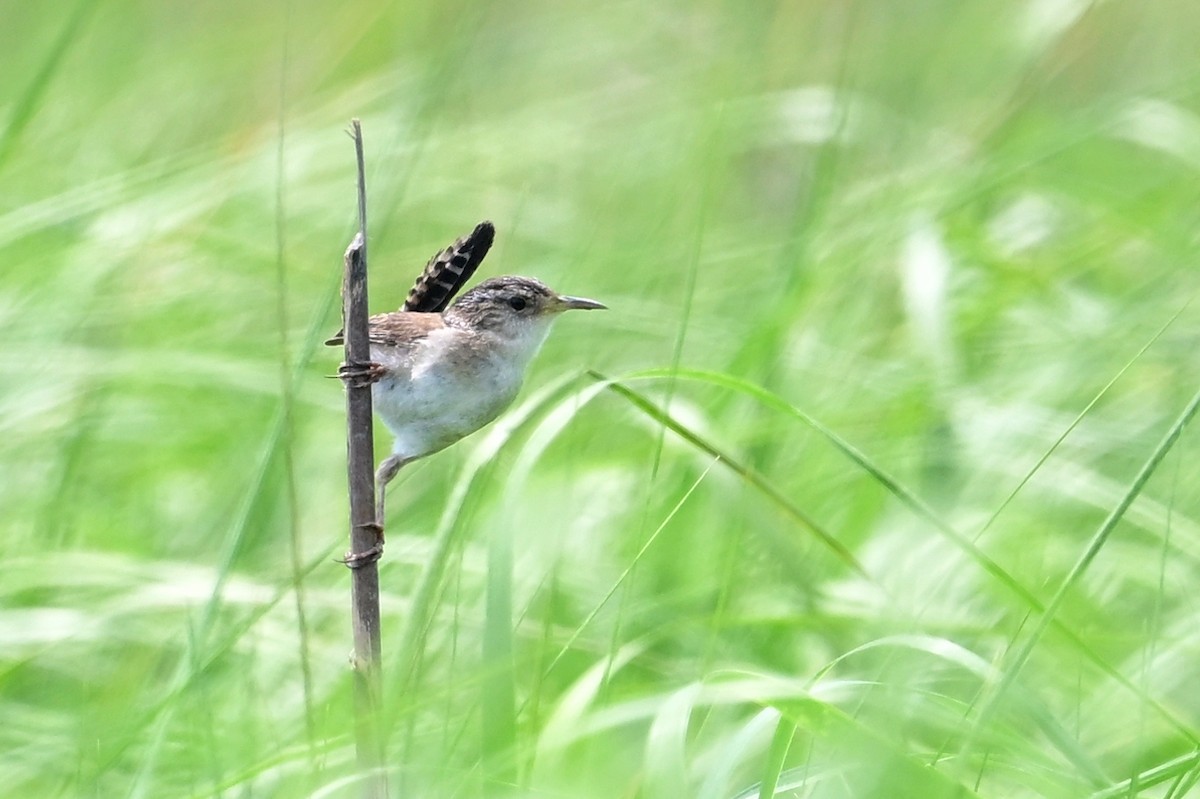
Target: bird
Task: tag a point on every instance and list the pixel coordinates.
(441, 370)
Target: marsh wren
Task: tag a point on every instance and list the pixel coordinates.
(440, 373)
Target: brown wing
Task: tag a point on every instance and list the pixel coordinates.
(398, 327)
(449, 270)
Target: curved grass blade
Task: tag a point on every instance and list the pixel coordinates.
(751, 476)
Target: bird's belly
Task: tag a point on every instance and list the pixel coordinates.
(429, 409)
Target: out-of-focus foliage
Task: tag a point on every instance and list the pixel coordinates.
(899, 313)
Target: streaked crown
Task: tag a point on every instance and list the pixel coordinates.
(502, 302)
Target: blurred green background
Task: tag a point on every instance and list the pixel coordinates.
(887, 501)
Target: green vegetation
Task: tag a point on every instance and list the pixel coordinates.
(892, 493)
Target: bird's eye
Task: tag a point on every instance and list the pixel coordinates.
(517, 303)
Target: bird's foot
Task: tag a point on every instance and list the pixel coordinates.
(359, 374)
(357, 560)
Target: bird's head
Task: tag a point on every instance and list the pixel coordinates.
(515, 308)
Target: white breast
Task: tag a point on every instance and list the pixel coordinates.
(450, 385)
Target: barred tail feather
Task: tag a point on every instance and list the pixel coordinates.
(449, 270)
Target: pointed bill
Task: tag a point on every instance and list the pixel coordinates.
(580, 303)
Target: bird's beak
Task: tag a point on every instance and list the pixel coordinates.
(579, 303)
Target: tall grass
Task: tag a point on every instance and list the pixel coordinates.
(874, 481)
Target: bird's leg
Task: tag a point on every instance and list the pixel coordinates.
(358, 374)
(383, 475)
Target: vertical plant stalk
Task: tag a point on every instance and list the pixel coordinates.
(364, 528)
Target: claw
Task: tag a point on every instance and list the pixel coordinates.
(361, 374)
(356, 560)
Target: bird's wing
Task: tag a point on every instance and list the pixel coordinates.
(449, 270)
(398, 329)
